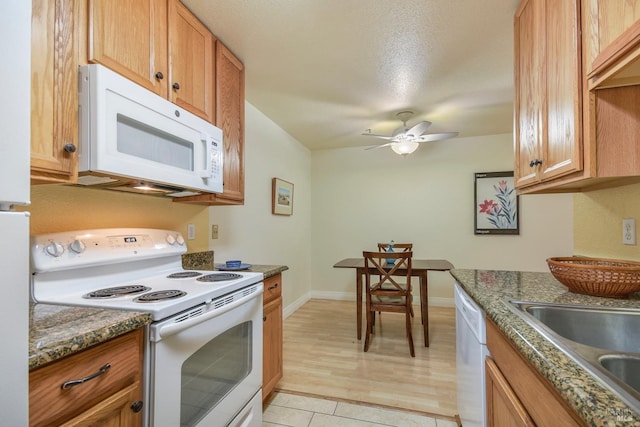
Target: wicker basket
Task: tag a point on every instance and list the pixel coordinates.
(610, 278)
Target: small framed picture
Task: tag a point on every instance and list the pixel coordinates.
(282, 197)
(496, 204)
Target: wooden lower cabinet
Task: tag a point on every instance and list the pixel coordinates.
(272, 335)
(504, 409)
(517, 394)
(113, 398)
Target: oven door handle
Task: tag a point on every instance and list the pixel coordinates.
(165, 331)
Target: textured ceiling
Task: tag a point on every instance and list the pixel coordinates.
(328, 70)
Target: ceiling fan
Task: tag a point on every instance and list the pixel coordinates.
(405, 140)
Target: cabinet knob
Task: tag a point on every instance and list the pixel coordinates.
(535, 162)
(70, 148)
(137, 406)
(176, 86)
(264, 318)
(159, 75)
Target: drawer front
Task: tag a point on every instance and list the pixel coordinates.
(272, 288)
(50, 404)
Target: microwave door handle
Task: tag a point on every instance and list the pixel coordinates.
(207, 172)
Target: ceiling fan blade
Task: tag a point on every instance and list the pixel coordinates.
(418, 129)
(436, 136)
(379, 146)
(378, 136)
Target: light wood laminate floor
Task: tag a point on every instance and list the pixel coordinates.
(322, 357)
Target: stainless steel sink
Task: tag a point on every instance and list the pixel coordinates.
(610, 328)
(604, 341)
(624, 367)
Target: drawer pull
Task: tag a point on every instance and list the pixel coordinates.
(270, 288)
(68, 384)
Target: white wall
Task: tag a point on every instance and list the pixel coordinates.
(250, 232)
(362, 197)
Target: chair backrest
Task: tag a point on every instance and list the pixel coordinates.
(375, 265)
(397, 247)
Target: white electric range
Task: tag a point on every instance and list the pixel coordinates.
(203, 356)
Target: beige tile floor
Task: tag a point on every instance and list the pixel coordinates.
(293, 410)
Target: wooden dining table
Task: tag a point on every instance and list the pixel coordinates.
(419, 268)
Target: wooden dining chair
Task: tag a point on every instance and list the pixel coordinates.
(397, 247)
(386, 291)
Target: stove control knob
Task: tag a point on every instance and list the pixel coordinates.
(77, 246)
(180, 239)
(170, 239)
(54, 249)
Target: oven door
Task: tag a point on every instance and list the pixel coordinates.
(206, 363)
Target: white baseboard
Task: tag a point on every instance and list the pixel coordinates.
(291, 308)
(348, 296)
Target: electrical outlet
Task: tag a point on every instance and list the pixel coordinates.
(629, 231)
(191, 231)
(214, 231)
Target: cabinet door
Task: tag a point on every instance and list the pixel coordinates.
(230, 118)
(530, 75)
(54, 92)
(504, 409)
(122, 409)
(191, 62)
(548, 83)
(272, 346)
(130, 37)
(605, 21)
(562, 147)
(51, 404)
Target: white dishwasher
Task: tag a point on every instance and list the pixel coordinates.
(471, 351)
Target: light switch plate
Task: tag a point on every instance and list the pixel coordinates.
(629, 231)
(191, 231)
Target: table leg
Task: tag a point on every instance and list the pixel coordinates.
(359, 273)
(424, 306)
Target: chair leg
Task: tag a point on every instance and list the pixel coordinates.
(368, 332)
(409, 335)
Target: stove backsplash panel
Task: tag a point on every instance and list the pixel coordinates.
(198, 261)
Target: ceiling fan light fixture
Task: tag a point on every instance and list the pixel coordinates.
(405, 147)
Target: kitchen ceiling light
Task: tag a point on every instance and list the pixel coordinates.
(405, 140)
(404, 147)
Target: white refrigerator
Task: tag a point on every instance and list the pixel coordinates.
(15, 72)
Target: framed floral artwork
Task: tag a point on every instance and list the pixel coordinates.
(496, 204)
(282, 197)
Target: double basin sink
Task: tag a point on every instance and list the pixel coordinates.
(604, 341)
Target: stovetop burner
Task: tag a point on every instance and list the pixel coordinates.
(116, 291)
(184, 274)
(160, 296)
(218, 277)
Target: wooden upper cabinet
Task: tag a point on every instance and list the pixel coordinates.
(230, 118)
(563, 149)
(548, 84)
(612, 42)
(130, 37)
(605, 21)
(529, 87)
(54, 92)
(191, 56)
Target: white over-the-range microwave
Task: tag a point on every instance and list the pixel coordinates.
(131, 139)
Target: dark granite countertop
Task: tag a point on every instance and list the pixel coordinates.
(594, 403)
(57, 331)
